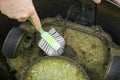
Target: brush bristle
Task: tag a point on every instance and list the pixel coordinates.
(48, 49)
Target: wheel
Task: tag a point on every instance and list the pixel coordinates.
(114, 70)
(12, 41)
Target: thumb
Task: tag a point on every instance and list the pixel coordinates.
(36, 21)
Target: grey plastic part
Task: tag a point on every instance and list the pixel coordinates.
(114, 71)
(11, 42)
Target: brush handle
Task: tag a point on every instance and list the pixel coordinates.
(41, 31)
(29, 19)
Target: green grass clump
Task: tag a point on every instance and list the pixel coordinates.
(54, 68)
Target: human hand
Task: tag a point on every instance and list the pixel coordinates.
(20, 10)
(116, 1)
(97, 1)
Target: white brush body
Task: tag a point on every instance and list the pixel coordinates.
(48, 49)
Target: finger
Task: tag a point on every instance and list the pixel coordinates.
(117, 1)
(97, 1)
(36, 20)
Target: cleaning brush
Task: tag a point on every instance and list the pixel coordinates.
(51, 42)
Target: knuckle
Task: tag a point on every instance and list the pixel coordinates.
(32, 11)
(22, 18)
